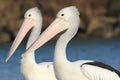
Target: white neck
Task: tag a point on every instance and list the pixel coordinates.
(33, 36)
(60, 48)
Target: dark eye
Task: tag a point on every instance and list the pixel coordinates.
(62, 14)
(29, 15)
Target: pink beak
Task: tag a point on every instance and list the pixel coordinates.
(26, 26)
(57, 26)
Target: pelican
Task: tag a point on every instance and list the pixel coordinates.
(29, 68)
(68, 20)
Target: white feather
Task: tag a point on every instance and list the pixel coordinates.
(97, 73)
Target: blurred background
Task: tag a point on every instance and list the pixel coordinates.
(98, 37)
(99, 18)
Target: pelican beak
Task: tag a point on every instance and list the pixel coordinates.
(26, 26)
(57, 26)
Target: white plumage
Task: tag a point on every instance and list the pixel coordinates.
(29, 68)
(99, 73)
(68, 19)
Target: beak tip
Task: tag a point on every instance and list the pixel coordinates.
(23, 55)
(6, 60)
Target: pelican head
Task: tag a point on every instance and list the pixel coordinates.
(31, 18)
(70, 14)
(66, 19)
(33, 14)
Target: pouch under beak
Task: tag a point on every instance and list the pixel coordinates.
(57, 26)
(26, 26)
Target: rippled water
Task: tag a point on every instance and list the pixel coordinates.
(104, 50)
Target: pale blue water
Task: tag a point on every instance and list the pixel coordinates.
(104, 50)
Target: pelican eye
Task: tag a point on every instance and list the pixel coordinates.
(62, 14)
(29, 15)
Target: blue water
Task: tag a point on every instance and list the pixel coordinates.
(104, 50)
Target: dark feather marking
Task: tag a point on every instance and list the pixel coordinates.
(102, 65)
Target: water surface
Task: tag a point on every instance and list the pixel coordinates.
(103, 50)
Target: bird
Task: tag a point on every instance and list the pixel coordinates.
(29, 68)
(68, 21)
